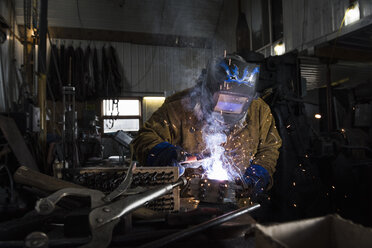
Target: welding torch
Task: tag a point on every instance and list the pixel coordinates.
(194, 160)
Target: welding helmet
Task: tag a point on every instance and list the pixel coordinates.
(232, 83)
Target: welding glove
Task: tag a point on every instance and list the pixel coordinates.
(256, 178)
(166, 154)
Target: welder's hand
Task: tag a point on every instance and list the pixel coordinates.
(166, 154)
(256, 178)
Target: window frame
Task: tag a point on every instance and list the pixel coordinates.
(122, 117)
(266, 49)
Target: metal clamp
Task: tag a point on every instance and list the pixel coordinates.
(47, 205)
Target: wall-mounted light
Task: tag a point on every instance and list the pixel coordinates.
(279, 48)
(318, 116)
(154, 98)
(352, 13)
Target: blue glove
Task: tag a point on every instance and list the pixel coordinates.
(257, 178)
(166, 154)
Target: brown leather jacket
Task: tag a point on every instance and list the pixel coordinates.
(256, 140)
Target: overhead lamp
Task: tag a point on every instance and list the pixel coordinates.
(318, 116)
(352, 13)
(279, 48)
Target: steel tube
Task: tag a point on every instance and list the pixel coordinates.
(205, 225)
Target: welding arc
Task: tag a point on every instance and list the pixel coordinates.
(201, 227)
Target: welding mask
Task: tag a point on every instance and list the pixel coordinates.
(232, 82)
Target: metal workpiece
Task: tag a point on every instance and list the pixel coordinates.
(114, 182)
(46, 205)
(105, 214)
(213, 191)
(201, 227)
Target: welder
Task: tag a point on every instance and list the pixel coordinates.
(224, 100)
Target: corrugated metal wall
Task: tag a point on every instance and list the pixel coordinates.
(153, 69)
(308, 20)
(10, 61)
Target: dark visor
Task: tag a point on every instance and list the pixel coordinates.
(230, 104)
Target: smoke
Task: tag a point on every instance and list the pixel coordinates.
(214, 138)
(218, 165)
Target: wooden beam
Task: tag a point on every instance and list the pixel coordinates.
(130, 37)
(343, 53)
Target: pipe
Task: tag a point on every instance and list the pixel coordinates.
(42, 105)
(201, 227)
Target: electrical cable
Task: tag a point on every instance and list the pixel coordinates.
(78, 12)
(140, 80)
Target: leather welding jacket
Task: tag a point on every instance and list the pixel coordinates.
(254, 141)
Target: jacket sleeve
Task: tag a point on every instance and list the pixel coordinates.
(159, 128)
(269, 143)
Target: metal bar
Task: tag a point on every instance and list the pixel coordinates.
(42, 37)
(131, 37)
(329, 100)
(201, 227)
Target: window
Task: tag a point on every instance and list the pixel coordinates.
(121, 114)
(260, 24)
(266, 25)
(276, 20)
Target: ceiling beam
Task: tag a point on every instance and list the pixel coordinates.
(130, 37)
(343, 53)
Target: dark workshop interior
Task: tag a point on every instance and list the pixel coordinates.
(115, 123)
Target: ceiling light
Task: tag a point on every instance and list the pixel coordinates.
(279, 48)
(352, 13)
(318, 116)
